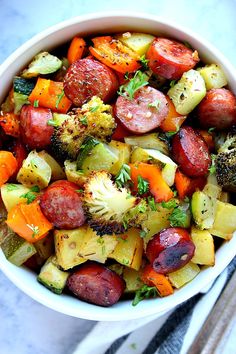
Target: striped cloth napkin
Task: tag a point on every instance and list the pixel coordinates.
(172, 333)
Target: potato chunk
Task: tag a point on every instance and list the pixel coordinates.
(205, 250)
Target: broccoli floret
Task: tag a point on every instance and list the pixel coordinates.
(109, 209)
(93, 119)
(225, 163)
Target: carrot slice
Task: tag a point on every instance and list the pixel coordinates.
(115, 54)
(28, 221)
(50, 94)
(157, 185)
(11, 124)
(186, 186)
(8, 166)
(174, 120)
(160, 281)
(76, 49)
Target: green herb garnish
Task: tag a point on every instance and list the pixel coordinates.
(84, 120)
(143, 233)
(170, 134)
(123, 176)
(172, 83)
(212, 168)
(59, 98)
(94, 108)
(155, 104)
(210, 130)
(146, 292)
(178, 217)
(143, 185)
(36, 103)
(171, 204)
(152, 203)
(12, 187)
(34, 228)
(144, 62)
(31, 196)
(128, 90)
(52, 123)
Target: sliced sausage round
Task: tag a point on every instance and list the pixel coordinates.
(190, 151)
(170, 250)
(218, 109)
(95, 283)
(170, 59)
(145, 112)
(62, 206)
(86, 78)
(34, 130)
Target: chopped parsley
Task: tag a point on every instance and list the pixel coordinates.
(171, 204)
(36, 103)
(52, 123)
(128, 90)
(79, 191)
(142, 208)
(145, 292)
(210, 130)
(155, 104)
(212, 168)
(144, 62)
(34, 228)
(143, 233)
(31, 196)
(84, 120)
(143, 185)
(172, 83)
(152, 203)
(94, 108)
(59, 98)
(123, 176)
(12, 187)
(178, 217)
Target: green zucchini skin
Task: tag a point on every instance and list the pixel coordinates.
(87, 146)
(23, 86)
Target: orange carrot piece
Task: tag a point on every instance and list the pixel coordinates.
(8, 166)
(76, 49)
(186, 186)
(157, 185)
(208, 139)
(10, 123)
(160, 281)
(115, 54)
(50, 94)
(174, 120)
(28, 221)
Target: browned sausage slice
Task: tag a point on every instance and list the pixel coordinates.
(217, 109)
(145, 112)
(86, 78)
(95, 283)
(34, 130)
(170, 250)
(62, 206)
(170, 59)
(190, 151)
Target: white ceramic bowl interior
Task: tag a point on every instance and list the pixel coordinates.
(53, 37)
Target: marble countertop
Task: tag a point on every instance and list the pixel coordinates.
(27, 327)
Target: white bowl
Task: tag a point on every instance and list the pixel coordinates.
(53, 37)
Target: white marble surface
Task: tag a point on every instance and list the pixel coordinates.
(27, 327)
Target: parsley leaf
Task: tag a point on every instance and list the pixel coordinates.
(144, 293)
(12, 187)
(84, 120)
(144, 62)
(142, 208)
(34, 228)
(178, 217)
(155, 104)
(59, 98)
(210, 130)
(36, 103)
(143, 233)
(128, 90)
(123, 176)
(31, 196)
(212, 168)
(171, 204)
(152, 203)
(172, 83)
(143, 185)
(94, 108)
(52, 123)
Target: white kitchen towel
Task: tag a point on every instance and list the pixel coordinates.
(172, 333)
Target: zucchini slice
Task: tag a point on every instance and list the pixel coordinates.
(23, 86)
(43, 63)
(85, 149)
(188, 92)
(12, 194)
(52, 277)
(148, 141)
(203, 210)
(19, 101)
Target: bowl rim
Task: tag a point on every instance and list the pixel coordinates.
(107, 313)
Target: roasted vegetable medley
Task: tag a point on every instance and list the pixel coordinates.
(117, 159)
